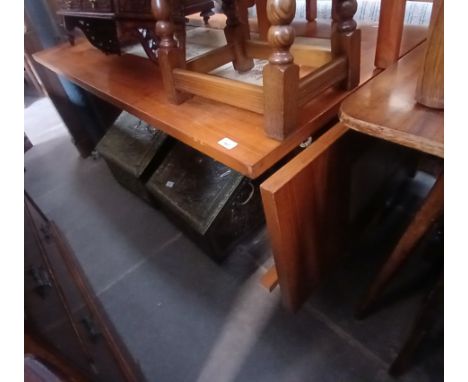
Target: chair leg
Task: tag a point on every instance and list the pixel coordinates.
(262, 19)
(236, 35)
(422, 221)
(243, 9)
(392, 15)
(421, 326)
(311, 10)
(170, 56)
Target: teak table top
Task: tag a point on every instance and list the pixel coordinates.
(386, 108)
(134, 84)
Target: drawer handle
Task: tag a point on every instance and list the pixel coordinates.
(42, 280)
(93, 3)
(91, 329)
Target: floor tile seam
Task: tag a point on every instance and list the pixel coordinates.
(133, 268)
(350, 339)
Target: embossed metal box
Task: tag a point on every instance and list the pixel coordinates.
(212, 203)
(132, 149)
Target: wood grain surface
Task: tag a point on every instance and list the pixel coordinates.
(134, 84)
(386, 108)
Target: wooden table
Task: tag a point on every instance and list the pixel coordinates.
(134, 84)
(307, 201)
(386, 108)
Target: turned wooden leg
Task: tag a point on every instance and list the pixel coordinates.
(346, 40)
(428, 213)
(169, 54)
(421, 326)
(235, 35)
(311, 10)
(392, 16)
(280, 75)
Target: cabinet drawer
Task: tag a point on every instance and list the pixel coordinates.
(105, 367)
(60, 305)
(63, 339)
(97, 5)
(42, 304)
(62, 272)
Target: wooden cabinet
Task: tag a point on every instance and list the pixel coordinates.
(61, 308)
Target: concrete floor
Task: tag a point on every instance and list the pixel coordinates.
(187, 318)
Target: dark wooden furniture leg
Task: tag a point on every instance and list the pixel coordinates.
(392, 15)
(311, 10)
(421, 326)
(422, 221)
(262, 19)
(236, 36)
(169, 54)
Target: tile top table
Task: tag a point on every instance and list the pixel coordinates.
(386, 108)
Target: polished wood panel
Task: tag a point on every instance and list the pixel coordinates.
(231, 92)
(304, 202)
(386, 108)
(321, 79)
(134, 84)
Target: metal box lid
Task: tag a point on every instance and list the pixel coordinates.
(193, 186)
(131, 143)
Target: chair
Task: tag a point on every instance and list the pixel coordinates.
(286, 91)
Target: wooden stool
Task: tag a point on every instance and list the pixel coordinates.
(283, 91)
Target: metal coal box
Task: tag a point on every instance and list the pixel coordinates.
(215, 205)
(132, 149)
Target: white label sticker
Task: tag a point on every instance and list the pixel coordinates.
(227, 143)
(170, 184)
